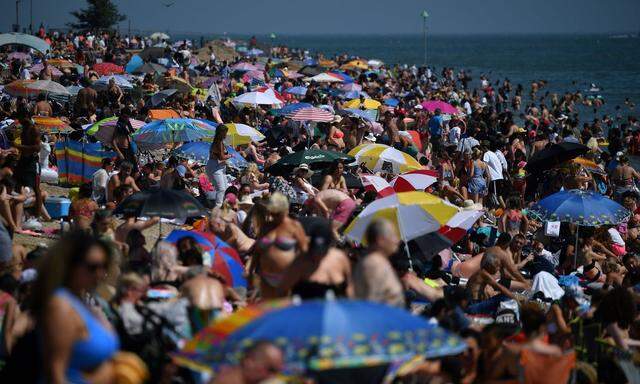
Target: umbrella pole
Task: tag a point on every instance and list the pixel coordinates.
(575, 253)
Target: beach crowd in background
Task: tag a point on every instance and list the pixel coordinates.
(253, 213)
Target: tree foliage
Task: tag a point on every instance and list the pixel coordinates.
(99, 15)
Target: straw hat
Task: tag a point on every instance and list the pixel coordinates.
(245, 202)
(303, 167)
(469, 205)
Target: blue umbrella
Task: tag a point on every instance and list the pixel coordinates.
(583, 208)
(199, 151)
(369, 115)
(173, 131)
(290, 108)
(339, 334)
(299, 90)
(354, 95)
(133, 64)
(392, 102)
(120, 81)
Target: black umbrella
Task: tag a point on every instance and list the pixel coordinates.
(151, 53)
(151, 68)
(315, 158)
(159, 97)
(310, 70)
(166, 203)
(554, 155)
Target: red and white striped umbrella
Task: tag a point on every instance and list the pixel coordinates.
(417, 180)
(450, 233)
(311, 114)
(377, 184)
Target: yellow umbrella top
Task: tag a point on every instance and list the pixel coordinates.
(356, 64)
(367, 104)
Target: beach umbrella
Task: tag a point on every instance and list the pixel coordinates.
(199, 151)
(370, 115)
(310, 70)
(159, 36)
(366, 104)
(23, 56)
(242, 134)
(444, 107)
(413, 214)
(555, 154)
(121, 81)
(51, 124)
(176, 83)
(173, 131)
(298, 91)
(354, 95)
(217, 255)
(244, 67)
(257, 98)
(315, 158)
(311, 114)
(24, 39)
(159, 97)
(37, 68)
(377, 184)
(61, 63)
(334, 334)
(324, 78)
(255, 52)
(152, 53)
(351, 87)
(327, 63)
(103, 130)
(583, 208)
(47, 87)
(356, 65)
(383, 158)
(391, 102)
(342, 76)
(134, 63)
(449, 234)
(290, 108)
(161, 202)
(149, 68)
(18, 88)
(74, 89)
(417, 180)
(195, 352)
(375, 63)
(108, 68)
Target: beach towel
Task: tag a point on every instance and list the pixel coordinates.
(547, 284)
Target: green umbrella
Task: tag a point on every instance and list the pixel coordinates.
(315, 158)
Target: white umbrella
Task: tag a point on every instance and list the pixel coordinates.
(159, 36)
(323, 78)
(257, 98)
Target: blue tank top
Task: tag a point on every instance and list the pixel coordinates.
(100, 345)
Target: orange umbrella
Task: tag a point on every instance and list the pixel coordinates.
(159, 114)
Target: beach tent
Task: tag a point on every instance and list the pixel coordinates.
(23, 39)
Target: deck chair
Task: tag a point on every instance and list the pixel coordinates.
(538, 368)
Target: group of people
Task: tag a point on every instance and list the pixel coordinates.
(510, 288)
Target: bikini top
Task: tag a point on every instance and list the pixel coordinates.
(283, 243)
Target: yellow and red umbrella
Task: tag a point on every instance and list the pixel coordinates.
(383, 158)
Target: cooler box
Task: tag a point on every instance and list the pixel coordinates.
(57, 206)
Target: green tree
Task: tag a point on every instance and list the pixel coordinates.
(99, 15)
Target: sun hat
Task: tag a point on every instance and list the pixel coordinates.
(303, 167)
(246, 202)
(370, 137)
(469, 205)
(336, 119)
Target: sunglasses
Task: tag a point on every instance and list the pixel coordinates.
(94, 267)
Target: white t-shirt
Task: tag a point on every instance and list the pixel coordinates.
(454, 135)
(495, 166)
(99, 183)
(25, 74)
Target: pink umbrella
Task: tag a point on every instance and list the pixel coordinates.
(311, 114)
(37, 68)
(447, 108)
(377, 184)
(418, 180)
(254, 75)
(244, 67)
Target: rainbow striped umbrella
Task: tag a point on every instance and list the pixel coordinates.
(383, 158)
(19, 88)
(413, 214)
(51, 124)
(311, 114)
(173, 131)
(195, 352)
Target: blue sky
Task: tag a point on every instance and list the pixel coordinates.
(352, 16)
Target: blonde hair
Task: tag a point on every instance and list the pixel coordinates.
(278, 203)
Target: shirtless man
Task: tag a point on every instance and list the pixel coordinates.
(230, 233)
(504, 251)
(28, 168)
(130, 223)
(123, 177)
(335, 205)
(86, 101)
(260, 362)
(43, 108)
(482, 285)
